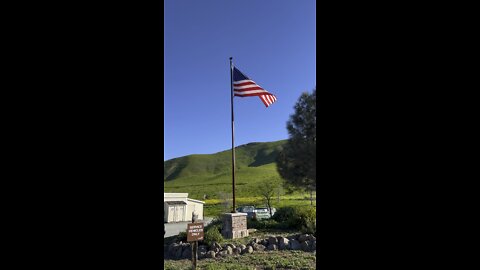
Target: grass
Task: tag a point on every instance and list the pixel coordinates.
(285, 259)
(214, 207)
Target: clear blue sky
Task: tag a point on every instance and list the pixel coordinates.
(271, 41)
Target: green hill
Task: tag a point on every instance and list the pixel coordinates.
(211, 174)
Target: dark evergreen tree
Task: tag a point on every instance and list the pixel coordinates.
(297, 162)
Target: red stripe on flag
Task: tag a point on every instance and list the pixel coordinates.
(248, 89)
(262, 98)
(251, 95)
(242, 84)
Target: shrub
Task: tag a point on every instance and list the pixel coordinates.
(299, 217)
(212, 232)
(284, 214)
(182, 236)
(305, 219)
(262, 224)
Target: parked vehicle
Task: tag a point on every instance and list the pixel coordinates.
(259, 213)
(250, 210)
(263, 212)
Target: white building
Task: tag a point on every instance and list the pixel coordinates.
(177, 207)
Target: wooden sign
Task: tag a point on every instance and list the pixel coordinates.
(194, 232)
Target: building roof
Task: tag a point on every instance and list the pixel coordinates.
(197, 201)
(173, 195)
(175, 202)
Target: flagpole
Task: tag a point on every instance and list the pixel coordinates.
(233, 143)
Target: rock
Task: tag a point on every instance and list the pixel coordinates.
(303, 238)
(305, 246)
(215, 245)
(258, 247)
(216, 250)
(232, 246)
(272, 240)
(178, 252)
(313, 245)
(201, 255)
(172, 248)
(311, 238)
(242, 247)
(282, 243)
(237, 250)
(294, 245)
(187, 253)
(291, 237)
(264, 242)
(202, 248)
(229, 250)
(248, 249)
(210, 254)
(256, 240)
(272, 247)
(223, 253)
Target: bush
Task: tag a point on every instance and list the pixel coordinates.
(305, 219)
(263, 224)
(284, 214)
(299, 218)
(182, 236)
(212, 232)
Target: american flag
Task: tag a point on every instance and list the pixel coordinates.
(245, 87)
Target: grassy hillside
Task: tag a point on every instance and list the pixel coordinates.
(212, 174)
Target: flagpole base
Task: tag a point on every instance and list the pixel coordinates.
(234, 225)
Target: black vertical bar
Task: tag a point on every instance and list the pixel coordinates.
(195, 251)
(233, 142)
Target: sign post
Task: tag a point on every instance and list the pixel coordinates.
(194, 234)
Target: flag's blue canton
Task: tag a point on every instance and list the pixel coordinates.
(238, 75)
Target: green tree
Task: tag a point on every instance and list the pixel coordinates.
(297, 162)
(267, 191)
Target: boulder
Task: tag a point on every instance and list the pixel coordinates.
(178, 252)
(223, 253)
(294, 245)
(232, 246)
(303, 238)
(172, 248)
(248, 249)
(187, 253)
(237, 250)
(210, 254)
(215, 245)
(272, 240)
(258, 247)
(264, 242)
(283, 243)
(291, 237)
(242, 247)
(305, 246)
(311, 238)
(202, 248)
(228, 249)
(272, 247)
